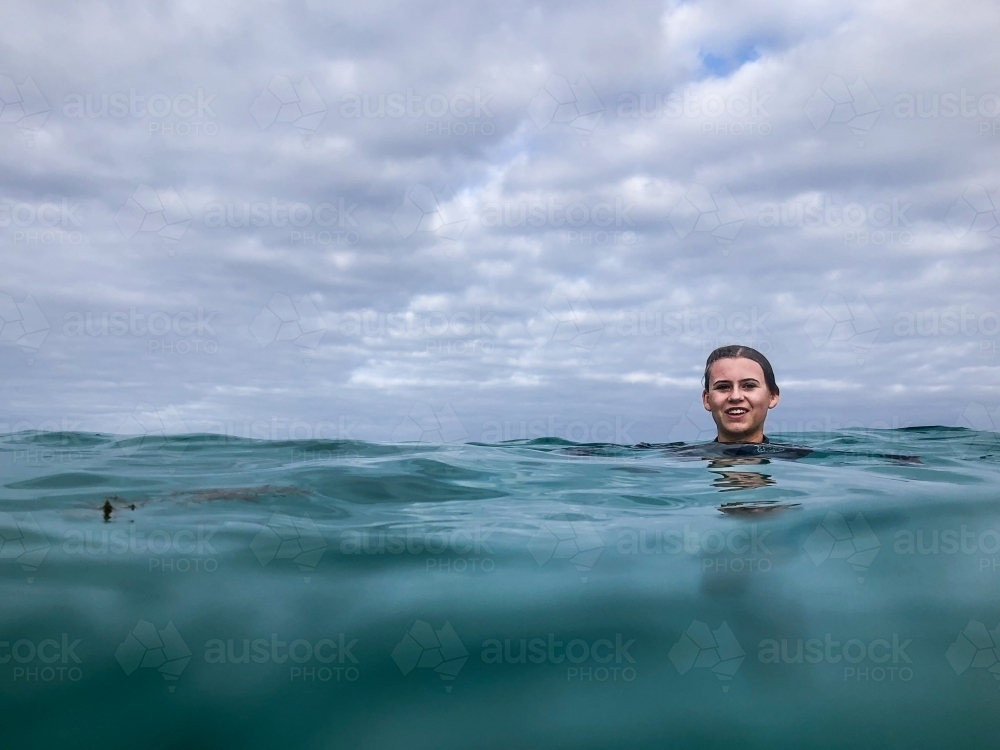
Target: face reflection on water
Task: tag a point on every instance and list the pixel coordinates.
(733, 481)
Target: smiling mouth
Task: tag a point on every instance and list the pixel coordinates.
(736, 412)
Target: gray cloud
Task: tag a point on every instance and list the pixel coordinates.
(541, 269)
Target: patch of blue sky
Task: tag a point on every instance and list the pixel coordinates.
(721, 66)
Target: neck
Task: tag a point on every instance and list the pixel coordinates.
(755, 437)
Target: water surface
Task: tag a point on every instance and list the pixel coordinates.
(209, 592)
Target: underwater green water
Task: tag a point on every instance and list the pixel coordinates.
(200, 591)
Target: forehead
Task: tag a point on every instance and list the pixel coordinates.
(735, 368)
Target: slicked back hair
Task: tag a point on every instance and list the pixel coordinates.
(734, 351)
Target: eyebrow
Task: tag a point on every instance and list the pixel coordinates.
(742, 380)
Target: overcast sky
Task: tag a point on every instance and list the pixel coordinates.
(482, 221)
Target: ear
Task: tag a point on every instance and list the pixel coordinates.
(774, 401)
(704, 401)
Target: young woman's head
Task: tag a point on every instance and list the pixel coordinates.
(739, 391)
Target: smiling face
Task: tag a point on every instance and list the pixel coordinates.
(739, 399)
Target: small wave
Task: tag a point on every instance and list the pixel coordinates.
(66, 481)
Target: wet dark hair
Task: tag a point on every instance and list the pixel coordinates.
(734, 351)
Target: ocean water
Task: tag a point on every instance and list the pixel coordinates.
(200, 591)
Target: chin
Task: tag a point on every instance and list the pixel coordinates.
(738, 432)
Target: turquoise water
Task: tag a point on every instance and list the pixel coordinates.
(208, 592)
